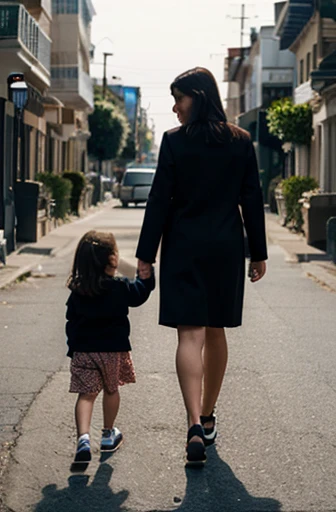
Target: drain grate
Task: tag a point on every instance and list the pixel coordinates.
(44, 251)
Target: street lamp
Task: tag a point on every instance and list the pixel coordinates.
(104, 76)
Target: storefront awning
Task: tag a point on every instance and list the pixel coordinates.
(325, 75)
(295, 16)
(328, 9)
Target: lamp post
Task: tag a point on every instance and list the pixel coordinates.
(104, 76)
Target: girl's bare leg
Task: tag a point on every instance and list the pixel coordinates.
(189, 366)
(215, 356)
(111, 403)
(83, 412)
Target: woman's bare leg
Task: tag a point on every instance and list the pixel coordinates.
(215, 356)
(189, 366)
(83, 412)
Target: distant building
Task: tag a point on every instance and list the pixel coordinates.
(256, 77)
(71, 83)
(132, 100)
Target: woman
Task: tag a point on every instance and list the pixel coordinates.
(206, 170)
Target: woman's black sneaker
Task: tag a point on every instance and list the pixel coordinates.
(196, 456)
(210, 433)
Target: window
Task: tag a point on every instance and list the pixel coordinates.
(314, 57)
(301, 72)
(65, 6)
(70, 72)
(85, 13)
(138, 178)
(271, 94)
(308, 66)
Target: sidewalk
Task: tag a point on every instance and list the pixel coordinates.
(28, 257)
(315, 263)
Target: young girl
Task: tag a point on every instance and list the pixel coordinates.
(98, 332)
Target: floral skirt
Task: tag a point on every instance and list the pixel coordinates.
(93, 371)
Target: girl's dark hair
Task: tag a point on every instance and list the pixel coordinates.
(91, 259)
(207, 115)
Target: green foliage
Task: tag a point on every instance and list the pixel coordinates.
(292, 190)
(60, 189)
(78, 181)
(146, 139)
(109, 127)
(289, 122)
(129, 151)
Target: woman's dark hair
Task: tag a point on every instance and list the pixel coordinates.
(207, 114)
(91, 259)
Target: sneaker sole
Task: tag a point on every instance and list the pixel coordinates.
(111, 450)
(84, 457)
(210, 440)
(195, 463)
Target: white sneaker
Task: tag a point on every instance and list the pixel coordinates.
(111, 440)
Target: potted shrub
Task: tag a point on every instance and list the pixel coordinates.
(78, 181)
(292, 189)
(60, 189)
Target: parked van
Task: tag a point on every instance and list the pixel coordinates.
(135, 185)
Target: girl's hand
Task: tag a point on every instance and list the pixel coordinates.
(257, 270)
(144, 269)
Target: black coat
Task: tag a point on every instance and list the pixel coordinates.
(194, 203)
(100, 323)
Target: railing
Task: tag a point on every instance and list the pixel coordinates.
(16, 23)
(72, 79)
(86, 87)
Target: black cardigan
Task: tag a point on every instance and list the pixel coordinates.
(100, 323)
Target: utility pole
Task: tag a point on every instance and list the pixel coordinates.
(242, 19)
(104, 73)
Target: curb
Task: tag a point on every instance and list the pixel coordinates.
(312, 270)
(18, 271)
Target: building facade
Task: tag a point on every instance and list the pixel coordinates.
(71, 83)
(309, 31)
(45, 96)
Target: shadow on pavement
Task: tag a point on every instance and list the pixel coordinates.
(212, 489)
(216, 489)
(80, 496)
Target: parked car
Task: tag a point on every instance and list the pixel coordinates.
(135, 185)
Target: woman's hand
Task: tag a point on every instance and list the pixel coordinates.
(144, 269)
(257, 270)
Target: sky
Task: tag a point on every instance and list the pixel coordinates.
(153, 41)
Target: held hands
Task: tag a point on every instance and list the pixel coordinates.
(257, 270)
(144, 269)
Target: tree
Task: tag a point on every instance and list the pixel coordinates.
(109, 129)
(293, 125)
(289, 122)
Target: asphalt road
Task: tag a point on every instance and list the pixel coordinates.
(276, 449)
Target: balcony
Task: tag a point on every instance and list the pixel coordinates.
(72, 86)
(24, 47)
(303, 93)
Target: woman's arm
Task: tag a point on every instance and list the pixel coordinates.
(158, 204)
(253, 207)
